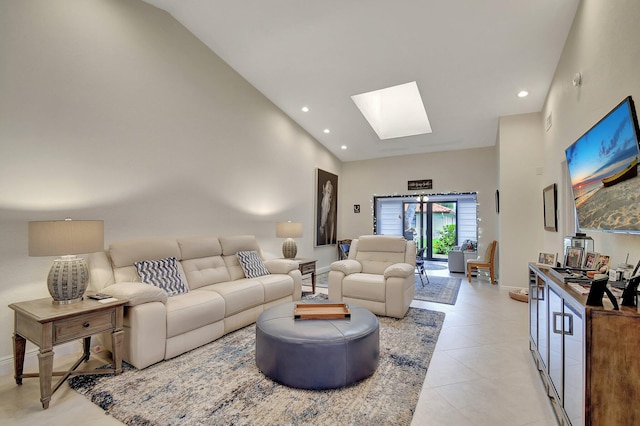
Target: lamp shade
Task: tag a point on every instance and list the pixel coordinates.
(288, 229)
(68, 277)
(65, 237)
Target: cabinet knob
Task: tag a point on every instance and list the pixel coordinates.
(86, 325)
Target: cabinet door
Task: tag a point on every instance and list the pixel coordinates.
(543, 323)
(573, 364)
(555, 327)
(533, 308)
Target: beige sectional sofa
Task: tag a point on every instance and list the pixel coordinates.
(218, 299)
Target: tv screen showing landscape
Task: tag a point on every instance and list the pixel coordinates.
(603, 168)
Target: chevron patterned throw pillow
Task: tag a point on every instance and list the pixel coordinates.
(251, 264)
(162, 273)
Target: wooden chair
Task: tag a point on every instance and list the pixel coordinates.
(487, 263)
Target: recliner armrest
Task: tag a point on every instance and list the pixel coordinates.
(280, 266)
(400, 270)
(347, 266)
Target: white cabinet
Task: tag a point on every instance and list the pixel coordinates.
(566, 356)
(587, 356)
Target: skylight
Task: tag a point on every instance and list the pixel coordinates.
(394, 112)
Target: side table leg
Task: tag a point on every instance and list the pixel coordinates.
(117, 340)
(86, 345)
(313, 282)
(19, 345)
(45, 361)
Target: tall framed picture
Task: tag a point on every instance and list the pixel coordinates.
(550, 200)
(326, 208)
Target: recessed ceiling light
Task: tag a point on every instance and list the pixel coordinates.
(522, 93)
(305, 109)
(327, 131)
(343, 147)
(395, 111)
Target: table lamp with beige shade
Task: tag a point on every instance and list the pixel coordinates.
(69, 275)
(289, 230)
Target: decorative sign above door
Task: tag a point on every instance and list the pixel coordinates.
(415, 185)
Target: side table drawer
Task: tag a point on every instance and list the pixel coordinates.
(86, 325)
(308, 268)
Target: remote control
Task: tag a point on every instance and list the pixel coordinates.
(99, 296)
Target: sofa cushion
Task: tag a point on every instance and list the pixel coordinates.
(238, 295)
(162, 273)
(377, 252)
(364, 286)
(126, 253)
(232, 245)
(193, 310)
(251, 264)
(196, 247)
(276, 286)
(205, 271)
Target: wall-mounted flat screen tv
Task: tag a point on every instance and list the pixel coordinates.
(603, 168)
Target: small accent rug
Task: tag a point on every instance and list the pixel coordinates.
(219, 384)
(435, 266)
(438, 289)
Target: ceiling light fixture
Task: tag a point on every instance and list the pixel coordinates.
(343, 147)
(523, 93)
(305, 109)
(327, 131)
(395, 111)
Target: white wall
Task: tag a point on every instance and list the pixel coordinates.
(110, 109)
(472, 170)
(603, 45)
(521, 159)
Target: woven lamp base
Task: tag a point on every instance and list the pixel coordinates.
(289, 249)
(67, 280)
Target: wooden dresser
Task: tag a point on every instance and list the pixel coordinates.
(588, 357)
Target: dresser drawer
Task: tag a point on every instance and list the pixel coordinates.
(83, 326)
(308, 268)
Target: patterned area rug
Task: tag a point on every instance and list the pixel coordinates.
(438, 289)
(219, 384)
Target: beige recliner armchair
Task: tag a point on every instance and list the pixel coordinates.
(378, 275)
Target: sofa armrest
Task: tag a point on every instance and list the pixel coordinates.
(347, 266)
(280, 266)
(400, 270)
(136, 293)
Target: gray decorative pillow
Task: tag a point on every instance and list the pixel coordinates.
(162, 273)
(251, 264)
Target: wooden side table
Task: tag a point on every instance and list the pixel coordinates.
(47, 325)
(308, 266)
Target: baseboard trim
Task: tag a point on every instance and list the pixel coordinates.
(31, 358)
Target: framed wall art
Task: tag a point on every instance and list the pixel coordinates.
(550, 201)
(326, 208)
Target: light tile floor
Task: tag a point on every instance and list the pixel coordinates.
(481, 372)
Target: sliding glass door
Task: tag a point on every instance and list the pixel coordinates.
(435, 222)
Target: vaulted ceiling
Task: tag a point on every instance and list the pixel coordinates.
(469, 58)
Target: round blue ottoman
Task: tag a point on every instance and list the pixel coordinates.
(316, 354)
